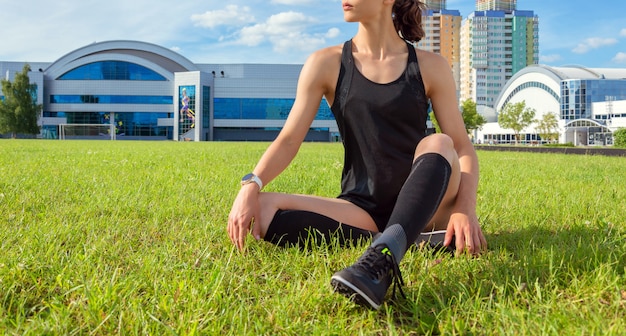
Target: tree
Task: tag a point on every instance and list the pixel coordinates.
(548, 127)
(433, 119)
(619, 137)
(516, 117)
(19, 109)
(471, 118)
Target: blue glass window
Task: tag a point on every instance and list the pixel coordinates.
(187, 108)
(143, 124)
(106, 99)
(206, 106)
(577, 96)
(261, 108)
(112, 70)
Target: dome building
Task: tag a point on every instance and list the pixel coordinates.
(590, 103)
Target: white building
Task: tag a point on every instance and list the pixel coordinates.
(136, 90)
(589, 103)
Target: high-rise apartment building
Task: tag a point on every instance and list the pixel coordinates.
(442, 28)
(483, 5)
(497, 41)
(435, 4)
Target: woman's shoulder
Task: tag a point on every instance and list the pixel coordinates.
(435, 70)
(326, 56)
(321, 70)
(430, 59)
(324, 64)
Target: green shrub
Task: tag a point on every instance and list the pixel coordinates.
(619, 138)
(569, 144)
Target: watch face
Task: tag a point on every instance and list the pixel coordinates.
(247, 178)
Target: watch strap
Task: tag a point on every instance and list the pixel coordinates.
(252, 178)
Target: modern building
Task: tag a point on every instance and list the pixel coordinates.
(497, 41)
(483, 5)
(140, 90)
(590, 104)
(443, 28)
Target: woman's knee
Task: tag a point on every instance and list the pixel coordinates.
(438, 143)
(444, 146)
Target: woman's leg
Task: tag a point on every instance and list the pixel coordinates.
(297, 219)
(306, 229)
(445, 148)
(433, 183)
(427, 195)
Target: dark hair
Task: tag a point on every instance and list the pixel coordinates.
(407, 19)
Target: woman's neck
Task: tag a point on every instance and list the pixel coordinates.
(378, 37)
(378, 42)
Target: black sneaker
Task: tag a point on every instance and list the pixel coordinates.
(366, 281)
(434, 240)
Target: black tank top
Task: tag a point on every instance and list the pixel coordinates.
(380, 126)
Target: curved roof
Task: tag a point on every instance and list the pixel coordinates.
(572, 72)
(559, 74)
(585, 122)
(580, 72)
(164, 58)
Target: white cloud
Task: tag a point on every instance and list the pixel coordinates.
(593, 43)
(620, 58)
(549, 58)
(65, 25)
(231, 15)
(285, 31)
(332, 33)
(622, 32)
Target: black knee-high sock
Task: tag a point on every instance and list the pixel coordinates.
(417, 202)
(297, 227)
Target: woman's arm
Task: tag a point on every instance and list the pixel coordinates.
(441, 89)
(314, 82)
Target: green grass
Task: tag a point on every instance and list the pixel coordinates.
(129, 238)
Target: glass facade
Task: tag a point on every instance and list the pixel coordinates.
(578, 95)
(524, 138)
(206, 106)
(131, 124)
(187, 108)
(108, 99)
(261, 108)
(112, 70)
(143, 124)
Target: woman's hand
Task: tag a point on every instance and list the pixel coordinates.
(245, 211)
(467, 233)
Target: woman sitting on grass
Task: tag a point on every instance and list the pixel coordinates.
(396, 181)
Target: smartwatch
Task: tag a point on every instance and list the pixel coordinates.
(251, 178)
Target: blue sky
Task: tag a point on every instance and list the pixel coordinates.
(573, 32)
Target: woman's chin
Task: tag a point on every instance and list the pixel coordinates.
(349, 18)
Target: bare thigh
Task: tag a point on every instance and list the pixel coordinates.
(337, 209)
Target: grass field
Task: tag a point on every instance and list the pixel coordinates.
(126, 238)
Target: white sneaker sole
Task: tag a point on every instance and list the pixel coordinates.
(347, 289)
